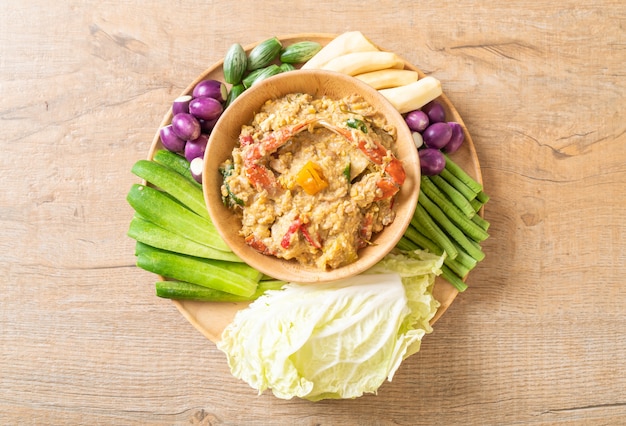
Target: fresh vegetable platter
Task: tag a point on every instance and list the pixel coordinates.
(211, 318)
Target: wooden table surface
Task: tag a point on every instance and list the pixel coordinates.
(539, 337)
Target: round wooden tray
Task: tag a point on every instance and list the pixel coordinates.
(210, 318)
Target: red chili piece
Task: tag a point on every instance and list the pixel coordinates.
(286, 241)
(308, 237)
(300, 226)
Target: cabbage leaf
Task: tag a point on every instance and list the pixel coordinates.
(335, 340)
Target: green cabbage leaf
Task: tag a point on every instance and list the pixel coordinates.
(339, 339)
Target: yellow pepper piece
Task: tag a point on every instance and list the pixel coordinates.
(311, 178)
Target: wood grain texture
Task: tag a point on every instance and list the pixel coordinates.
(537, 339)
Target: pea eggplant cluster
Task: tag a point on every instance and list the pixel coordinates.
(193, 118)
(434, 136)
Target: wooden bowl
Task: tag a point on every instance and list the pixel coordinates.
(225, 136)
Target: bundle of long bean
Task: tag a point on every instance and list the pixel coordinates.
(446, 220)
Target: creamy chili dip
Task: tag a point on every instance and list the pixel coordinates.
(313, 179)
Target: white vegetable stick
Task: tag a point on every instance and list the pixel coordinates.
(414, 95)
(362, 62)
(384, 79)
(348, 42)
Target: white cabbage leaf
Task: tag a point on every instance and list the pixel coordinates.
(335, 340)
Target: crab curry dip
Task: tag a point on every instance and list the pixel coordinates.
(313, 179)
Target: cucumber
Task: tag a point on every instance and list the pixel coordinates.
(176, 162)
(235, 64)
(158, 208)
(235, 91)
(148, 233)
(173, 183)
(284, 67)
(187, 291)
(260, 74)
(299, 52)
(264, 53)
(229, 277)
